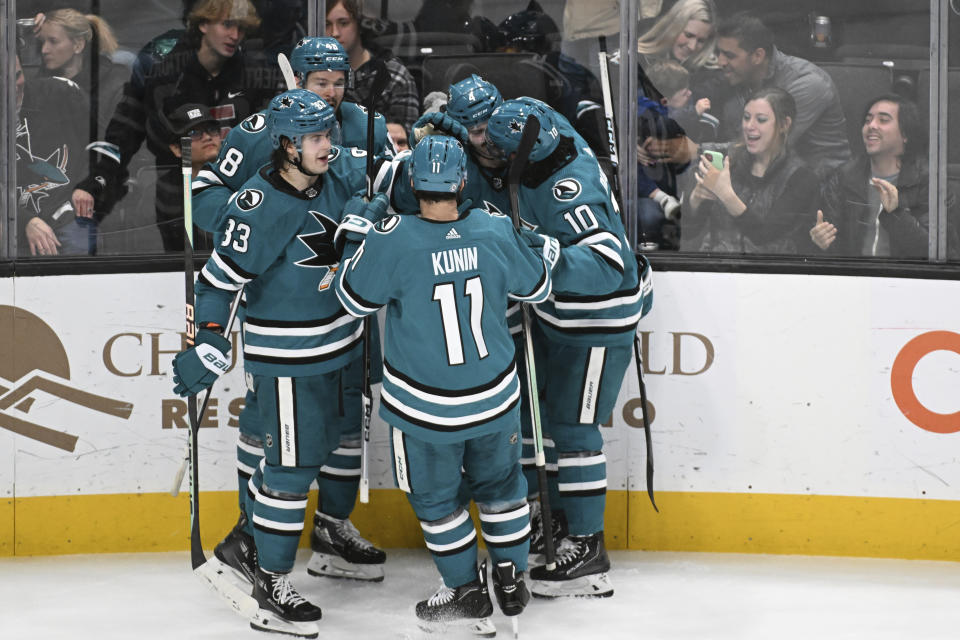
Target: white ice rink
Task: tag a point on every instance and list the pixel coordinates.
(675, 596)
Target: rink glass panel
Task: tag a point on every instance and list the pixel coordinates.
(130, 227)
(871, 48)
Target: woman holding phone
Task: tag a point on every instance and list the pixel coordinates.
(764, 198)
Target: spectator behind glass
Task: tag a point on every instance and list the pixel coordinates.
(750, 61)
(765, 195)
(398, 134)
(68, 50)
(668, 118)
(194, 120)
(684, 34)
(877, 202)
(400, 100)
(49, 156)
(204, 66)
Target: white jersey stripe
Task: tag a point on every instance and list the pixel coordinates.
(446, 526)
(291, 332)
(506, 516)
(510, 537)
(582, 486)
(303, 353)
(462, 542)
(444, 421)
(288, 424)
(582, 462)
(452, 401)
(280, 526)
(590, 390)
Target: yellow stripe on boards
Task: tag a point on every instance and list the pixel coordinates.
(719, 522)
(797, 524)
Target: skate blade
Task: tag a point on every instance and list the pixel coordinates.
(264, 620)
(596, 585)
(482, 627)
(217, 576)
(333, 566)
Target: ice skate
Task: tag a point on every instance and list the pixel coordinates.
(537, 548)
(510, 589)
(465, 607)
(281, 608)
(339, 551)
(581, 571)
(238, 553)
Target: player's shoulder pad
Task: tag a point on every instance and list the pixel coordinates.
(388, 224)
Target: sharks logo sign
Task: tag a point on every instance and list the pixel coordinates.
(566, 189)
(254, 124)
(249, 199)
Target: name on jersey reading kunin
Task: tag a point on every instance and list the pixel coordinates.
(454, 260)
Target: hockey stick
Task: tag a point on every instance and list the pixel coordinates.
(178, 480)
(379, 84)
(196, 550)
(287, 71)
(612, 142)
(648, 438)
(531, 129)
(241, 602)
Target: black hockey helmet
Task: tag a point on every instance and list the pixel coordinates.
(530, 30)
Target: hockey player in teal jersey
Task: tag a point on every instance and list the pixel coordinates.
(320, 66)
(339, 549)
(582, 333)
(277, 244)
(451, 389)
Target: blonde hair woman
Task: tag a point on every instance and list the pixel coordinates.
(70, 41)
(686, 33)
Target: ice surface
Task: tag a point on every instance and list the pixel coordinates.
(676, 596)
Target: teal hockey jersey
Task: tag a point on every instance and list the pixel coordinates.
(450, 371)
(277, 243)
(596, 299)
(248, 147)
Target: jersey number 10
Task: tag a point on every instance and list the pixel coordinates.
(445, 294)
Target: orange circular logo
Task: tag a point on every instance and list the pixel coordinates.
(901, 381)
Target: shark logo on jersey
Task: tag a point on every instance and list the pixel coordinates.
(566, 189)
(492, 209)
(249, 199)
(320, 244)
(334, 154)
(254, 123)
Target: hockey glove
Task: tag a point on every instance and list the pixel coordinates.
(198, 367)
(548, 246)
(359, 216)
(437, 122)
(645, 273)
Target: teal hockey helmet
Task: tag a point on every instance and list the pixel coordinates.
(319, 54)
(439, 164)
(505, 127)
(298, 112)
(472, 100)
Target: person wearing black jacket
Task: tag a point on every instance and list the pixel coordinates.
(49, 156)
(205, 66)
(876, 204)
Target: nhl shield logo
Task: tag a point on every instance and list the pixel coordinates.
(566, 189)
(249, 199)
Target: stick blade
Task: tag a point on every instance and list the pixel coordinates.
(531, 130)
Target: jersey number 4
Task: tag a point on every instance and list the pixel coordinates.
(445, 294)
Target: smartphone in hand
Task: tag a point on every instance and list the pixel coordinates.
(716, 158)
